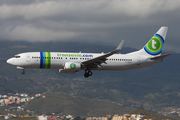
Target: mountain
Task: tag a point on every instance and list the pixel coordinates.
(152, 87)
(64, 104)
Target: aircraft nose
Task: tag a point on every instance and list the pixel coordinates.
(10, 61)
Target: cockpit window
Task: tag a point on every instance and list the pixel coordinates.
(17, 56)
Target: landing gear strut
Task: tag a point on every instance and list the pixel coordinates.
(87, 73)
(23, 72)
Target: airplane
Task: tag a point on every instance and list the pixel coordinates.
(71, 62)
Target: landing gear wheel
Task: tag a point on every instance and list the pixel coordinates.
(89, 73)
(86, 75)
(23, 72)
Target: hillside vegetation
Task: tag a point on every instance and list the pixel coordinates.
(64, 104)
(150, 115)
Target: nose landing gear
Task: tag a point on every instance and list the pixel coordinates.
(87, 73)
(23, 72)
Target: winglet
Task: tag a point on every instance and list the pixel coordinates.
(119, 46)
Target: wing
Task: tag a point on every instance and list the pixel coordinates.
(96, 62)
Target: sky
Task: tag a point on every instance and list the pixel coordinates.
(104, 22)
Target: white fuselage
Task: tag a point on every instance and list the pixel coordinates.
(56, 60)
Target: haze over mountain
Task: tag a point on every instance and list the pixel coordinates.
(151, 87)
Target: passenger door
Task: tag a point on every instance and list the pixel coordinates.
(28, 57)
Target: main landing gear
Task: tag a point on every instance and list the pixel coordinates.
(87, 73)
(23, 72)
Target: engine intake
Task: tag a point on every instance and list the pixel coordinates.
(72, 66)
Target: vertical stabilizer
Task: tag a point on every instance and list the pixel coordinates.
(155, 44)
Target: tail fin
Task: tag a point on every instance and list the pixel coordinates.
(155, 44)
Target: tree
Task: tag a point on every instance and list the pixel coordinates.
(77, 118)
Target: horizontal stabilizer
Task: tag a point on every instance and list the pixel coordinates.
(160, 57)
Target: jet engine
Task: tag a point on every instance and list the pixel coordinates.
(70, 68)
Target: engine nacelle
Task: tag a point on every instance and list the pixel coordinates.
(72, 66)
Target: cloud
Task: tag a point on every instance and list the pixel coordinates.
(90, 20)
(39, 9)
(31, 33)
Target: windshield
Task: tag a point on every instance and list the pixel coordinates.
(17, 56)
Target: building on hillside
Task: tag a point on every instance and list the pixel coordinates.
(44, 96)
(124, 117)
(37, 95)
(127, 115)
(24, 99)
(42, 117)
(104, 118)
(24, 95)
(26, 115)
(62, 117)
(109, 116)
(51, 118)
(89, 118)
(97, 118)
(69, 117)
(117, 117)
(7, 117)
(1, 101)
(4, 96)
(6, 100)
(18, 101)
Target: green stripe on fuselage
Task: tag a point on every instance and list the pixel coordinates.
(48, 60)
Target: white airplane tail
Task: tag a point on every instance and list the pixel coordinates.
(155, 44)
